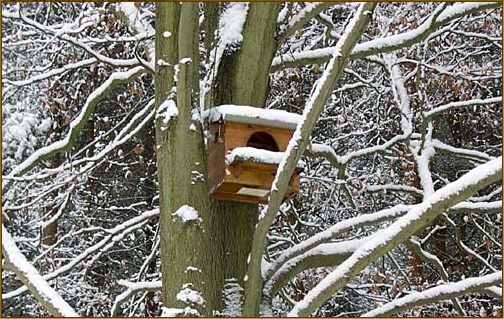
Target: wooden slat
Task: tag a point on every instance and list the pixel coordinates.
(255, 174)
(224, 192)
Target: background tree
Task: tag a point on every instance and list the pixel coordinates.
(102, 133)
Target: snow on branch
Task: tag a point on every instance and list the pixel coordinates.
(393, 188)
(38, 286)
(485, 207)
(460, 152)
(323, 255)
(495, 291)
(63, 34)
(462, 104)
(52, 72)
(76, 125)
(387, 44)
(132, 288)
(384, 240)
(442, 292)
(338, 161)
(311, 10)
(332, 233)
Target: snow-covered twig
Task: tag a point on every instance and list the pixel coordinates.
(132, 288)
(460, 152)
(38, 286)
(53, 72)
(462, 104)
(393, 188)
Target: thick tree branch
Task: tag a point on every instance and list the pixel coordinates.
(296, 147)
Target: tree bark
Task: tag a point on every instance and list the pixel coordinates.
(243, 76)
(219, 245)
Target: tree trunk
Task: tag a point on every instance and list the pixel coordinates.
(219, 245)
(243, 76)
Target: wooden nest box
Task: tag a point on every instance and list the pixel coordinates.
(244, 147)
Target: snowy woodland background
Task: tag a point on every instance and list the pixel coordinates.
(400, 208)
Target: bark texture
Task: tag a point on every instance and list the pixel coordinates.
(219, 245)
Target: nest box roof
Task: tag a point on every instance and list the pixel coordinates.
(252, 115)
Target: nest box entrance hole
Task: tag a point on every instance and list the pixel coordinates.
(262, 140)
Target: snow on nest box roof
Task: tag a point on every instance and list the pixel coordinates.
(253, 115)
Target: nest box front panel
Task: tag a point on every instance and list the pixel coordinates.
(239, 135)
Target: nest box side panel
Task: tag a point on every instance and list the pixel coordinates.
(238, 134)
(216, 166)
